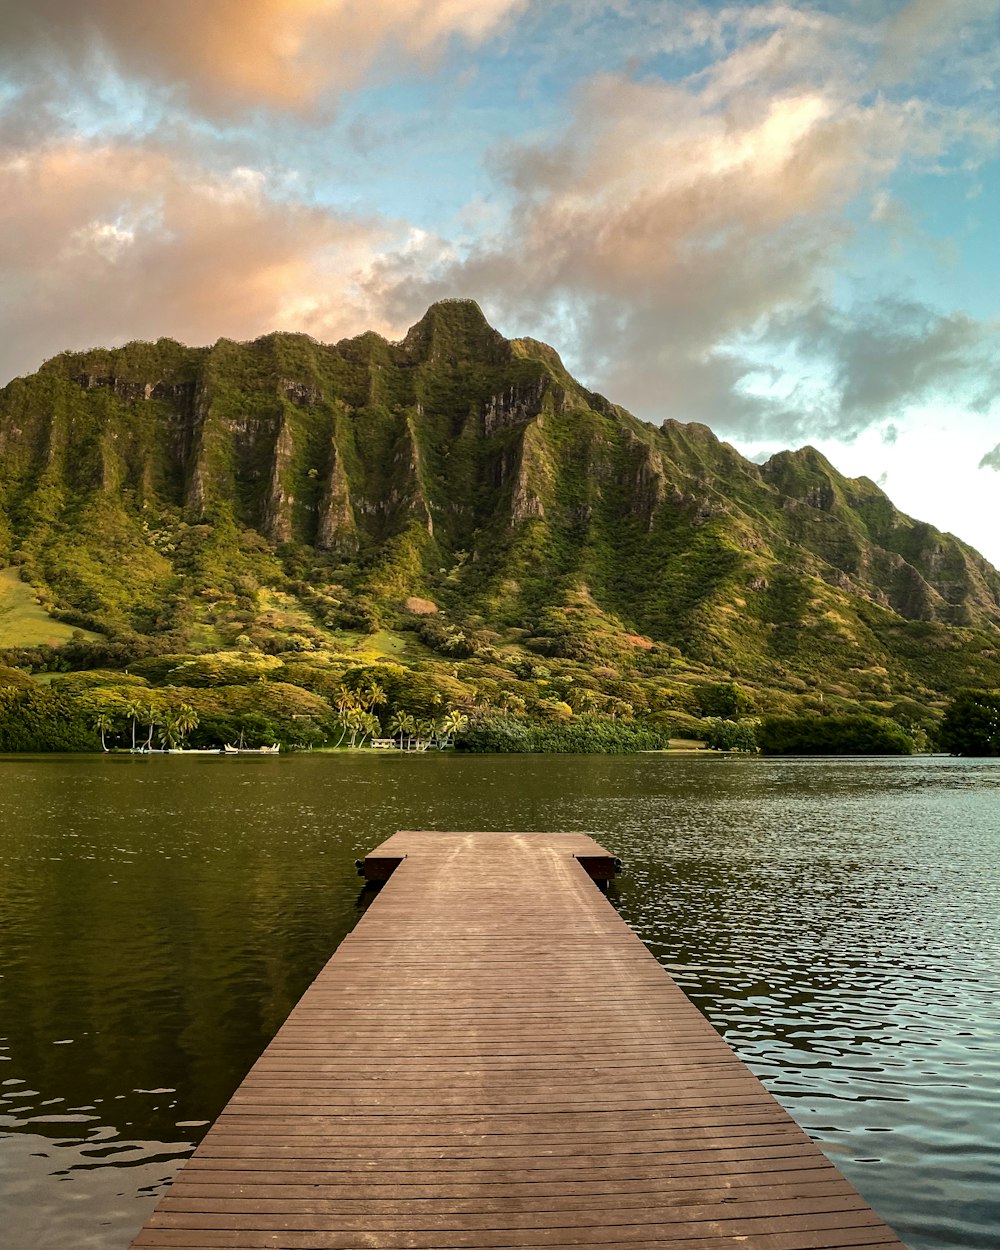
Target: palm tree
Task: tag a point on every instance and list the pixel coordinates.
(397, 725)
(581, 699)
(133, 710)
(150, 719)
(186, 719)
(345, 699)
(368, 726)
(371, 696)
(345, 715)
(452, 724)
(168, 730)
(361, 722)
(103, 723)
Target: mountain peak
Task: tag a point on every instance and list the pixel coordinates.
(454, 330)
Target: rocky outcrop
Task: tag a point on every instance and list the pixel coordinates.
(531, 474)
(196, 461)
(645, 479)
(519, 403)
(336, 529)
(277, 523)
(301, 394)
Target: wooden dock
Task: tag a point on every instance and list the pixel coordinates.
(493, 1059)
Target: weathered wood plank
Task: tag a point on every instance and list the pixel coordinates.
(492, 1059)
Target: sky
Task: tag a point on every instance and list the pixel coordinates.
(781, 220)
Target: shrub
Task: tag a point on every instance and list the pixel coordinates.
(14, 677)
(971, 724)
(590, 735)
(39, 720)
(684, 725)
(847, 734)
(730, 735)
(724, 699)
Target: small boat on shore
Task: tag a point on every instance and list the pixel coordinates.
(174, 750)
(228, 749)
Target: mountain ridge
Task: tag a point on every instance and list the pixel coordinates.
(472, 472)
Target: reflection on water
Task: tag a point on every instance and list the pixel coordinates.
(839, 922)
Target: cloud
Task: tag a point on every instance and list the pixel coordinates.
(991, 460)
(680, 239)
(921, 29)
(890, 354)
(666, 224)
(102, 243)
(230, 54)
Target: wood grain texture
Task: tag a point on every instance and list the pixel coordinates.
(493, 1059)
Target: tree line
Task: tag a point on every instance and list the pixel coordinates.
(87, 711)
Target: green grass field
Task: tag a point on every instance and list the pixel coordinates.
(387, 643)
(23, 622)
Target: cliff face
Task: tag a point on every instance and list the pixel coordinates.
(459, 466)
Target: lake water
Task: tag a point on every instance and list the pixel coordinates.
(838, 921)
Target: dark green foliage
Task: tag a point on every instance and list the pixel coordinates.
(36, 719)
(262, 713)
(422, 690)
(971, 724)
(681, 724)
(448, 639)
(730, 735)
(724, 699)
(587, 736)
(832, 735)
(84, 654)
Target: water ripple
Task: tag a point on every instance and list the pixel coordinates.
(837, 921)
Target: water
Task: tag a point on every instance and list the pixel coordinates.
(838, 921)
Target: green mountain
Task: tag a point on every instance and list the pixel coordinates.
(458, 499)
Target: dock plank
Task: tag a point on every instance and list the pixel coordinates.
(492, 1060)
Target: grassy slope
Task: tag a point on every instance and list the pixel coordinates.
(23, 621)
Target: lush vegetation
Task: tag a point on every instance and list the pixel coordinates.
(722, 734)
(971, 723)
(35, 719)
(833, 735)
(225, 703)
(259, 535)
(589, 735)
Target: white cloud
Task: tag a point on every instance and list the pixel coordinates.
(681, 236)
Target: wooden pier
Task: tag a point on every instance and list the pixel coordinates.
(493, 1059)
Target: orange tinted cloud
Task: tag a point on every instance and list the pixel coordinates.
(281, 53)
(103, 243)
(666, 225)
